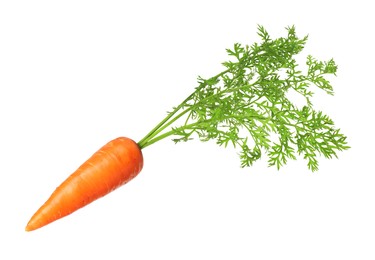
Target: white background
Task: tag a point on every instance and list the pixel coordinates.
(76, 74)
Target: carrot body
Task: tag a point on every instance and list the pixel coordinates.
(113, 165)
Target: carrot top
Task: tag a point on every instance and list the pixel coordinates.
(248, 105)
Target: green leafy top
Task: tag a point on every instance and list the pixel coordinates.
(247, 105)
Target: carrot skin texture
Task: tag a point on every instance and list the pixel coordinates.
(113, 165)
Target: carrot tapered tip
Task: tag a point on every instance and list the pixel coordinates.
(32, 224)
(28, 228)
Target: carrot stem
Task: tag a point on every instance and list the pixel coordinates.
(152, 136)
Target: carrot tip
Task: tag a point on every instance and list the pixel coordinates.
(31, 225)
(27, 228)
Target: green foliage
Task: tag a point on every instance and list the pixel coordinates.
(247, 105)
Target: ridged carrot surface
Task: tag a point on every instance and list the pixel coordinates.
(113, 165)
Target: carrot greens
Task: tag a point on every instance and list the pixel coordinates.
(248, 105)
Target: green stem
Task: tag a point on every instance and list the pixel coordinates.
(193, 126)
(166, 134)
(144, 140)
(169, 119)
(165, 125)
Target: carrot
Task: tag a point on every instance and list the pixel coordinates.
(246, 105)
(113, 165)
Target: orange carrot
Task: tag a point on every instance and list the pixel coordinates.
(113, 165)
(244, 105)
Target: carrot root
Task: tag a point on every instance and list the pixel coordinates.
(110, 167)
